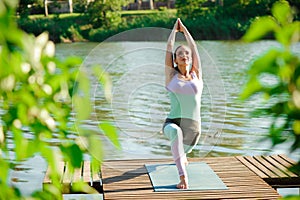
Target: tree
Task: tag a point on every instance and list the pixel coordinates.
(104, 13)
(24, 8)
(151, 4)
(46, 7)
(139, 2)
(70, 6)
(280, 96)
(40, 96)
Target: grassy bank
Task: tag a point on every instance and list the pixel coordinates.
(76, 27)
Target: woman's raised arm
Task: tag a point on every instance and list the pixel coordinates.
(169, 64)
(170, 45)
(196, 63)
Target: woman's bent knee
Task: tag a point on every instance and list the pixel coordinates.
(171, 131)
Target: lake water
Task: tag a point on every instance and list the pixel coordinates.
(140, 102)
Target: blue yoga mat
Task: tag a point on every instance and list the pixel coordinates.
(164, 177)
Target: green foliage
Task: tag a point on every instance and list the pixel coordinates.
(104, 13)
(158, 19)
(102, 19)
(40, 95)
(23, 8)
(60, 27)
(276, 74)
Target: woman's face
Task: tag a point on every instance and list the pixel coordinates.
(183, 56)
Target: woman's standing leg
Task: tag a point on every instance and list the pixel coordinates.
(174, 133)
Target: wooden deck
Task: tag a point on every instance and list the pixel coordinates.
(85, 173)
(128, 179)
(273, 169)
(246, 177)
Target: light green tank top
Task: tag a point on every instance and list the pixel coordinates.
(185, 97)
(185, 106)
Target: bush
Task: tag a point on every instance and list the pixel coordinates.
(280, 99)
(46, 98)
(59, 28)
(160, 19)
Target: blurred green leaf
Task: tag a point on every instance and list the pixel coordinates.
(111, 132)
(291, 197)
(104, 79)
(260, 28)
(276, 134)
(296, 127)
(72, 62)
(73, 154)
(83, 187)
(252, 87)
(81, 98)
(96, 166)
(265, 64)
(21, 145)
(288, 35)
(282, 12)
(95, 147)
(284, 104)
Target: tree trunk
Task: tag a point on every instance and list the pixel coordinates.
(46, 7)
(71, 6)
(151, 4)
(168, 3)
(139, 2)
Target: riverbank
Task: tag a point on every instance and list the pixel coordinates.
(76, 27)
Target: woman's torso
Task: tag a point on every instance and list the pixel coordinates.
(185, 96)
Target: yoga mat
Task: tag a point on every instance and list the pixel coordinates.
(164, 177)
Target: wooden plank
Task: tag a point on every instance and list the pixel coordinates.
(87, 178)
(261, 167)
(252, 167)
(77, 176)
(95, 175)
(265, 166)
(59, 167)
(281, 160)
(68, 174)
(291, 161)
(264, 161)
(47, 176)
(131, 181)
(279, 166)
(285, 164)
(96, 179)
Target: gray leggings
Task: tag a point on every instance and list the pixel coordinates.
(190, 131)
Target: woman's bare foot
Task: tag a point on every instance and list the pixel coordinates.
(183, 184)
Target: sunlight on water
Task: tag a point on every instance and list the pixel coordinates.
(140, 102)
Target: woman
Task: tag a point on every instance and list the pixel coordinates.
(184, 83)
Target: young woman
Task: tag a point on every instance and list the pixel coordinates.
(184, 83)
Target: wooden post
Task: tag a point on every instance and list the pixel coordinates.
(151, 4)
(139, 2)
(71, 6)
(46, 7)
